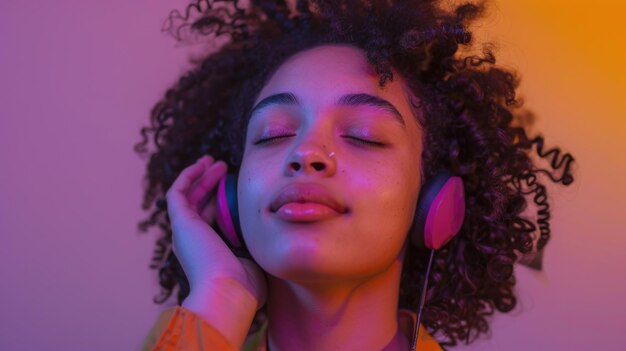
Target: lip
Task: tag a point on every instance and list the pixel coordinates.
(308, 198)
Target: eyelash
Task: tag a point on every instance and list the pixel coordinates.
(270, 140)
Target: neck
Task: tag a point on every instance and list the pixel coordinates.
(354, 315)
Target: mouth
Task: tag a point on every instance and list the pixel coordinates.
(306, 212)
(306, 202)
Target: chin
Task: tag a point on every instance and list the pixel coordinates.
(301, 262)
(308, 264)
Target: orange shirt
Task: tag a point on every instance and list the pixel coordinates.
(179, 328)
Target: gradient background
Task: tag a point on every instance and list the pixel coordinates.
(77, 81)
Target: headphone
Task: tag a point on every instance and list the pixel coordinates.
(438, 217)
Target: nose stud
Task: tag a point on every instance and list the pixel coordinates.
(331, 154)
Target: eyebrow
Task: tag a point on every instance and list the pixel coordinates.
(360, 99)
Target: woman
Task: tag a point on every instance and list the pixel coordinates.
(336, 116)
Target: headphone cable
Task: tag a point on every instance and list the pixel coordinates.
(421, 304)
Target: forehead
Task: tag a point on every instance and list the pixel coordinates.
(318, 76)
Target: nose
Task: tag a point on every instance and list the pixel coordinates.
(312, 159)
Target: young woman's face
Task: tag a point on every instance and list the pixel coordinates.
(329, 100)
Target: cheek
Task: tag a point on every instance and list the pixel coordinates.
(257, 181)
(250, 187)
(385, 204)
(250, 191)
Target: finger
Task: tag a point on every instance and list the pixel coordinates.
(203, 189)
(176, 195)
(209, 210)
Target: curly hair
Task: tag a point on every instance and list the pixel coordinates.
(472, 120)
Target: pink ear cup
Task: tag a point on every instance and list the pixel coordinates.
(224, 219)
(446, 214)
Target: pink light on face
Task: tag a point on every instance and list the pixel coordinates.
(322, 122)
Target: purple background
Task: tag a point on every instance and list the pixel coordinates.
(77, 81)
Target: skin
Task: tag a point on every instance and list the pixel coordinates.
(334, 283)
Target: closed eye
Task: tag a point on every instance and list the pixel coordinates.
(272, 139)
(358, 140)
(365, 141)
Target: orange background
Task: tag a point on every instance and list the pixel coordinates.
(571, 56)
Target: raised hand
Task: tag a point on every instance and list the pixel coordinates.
(225, 290)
